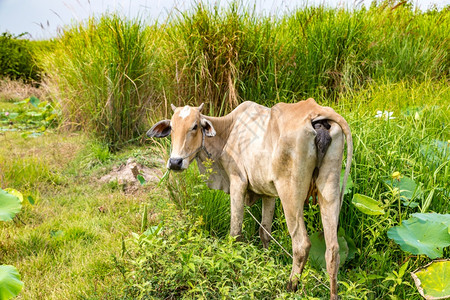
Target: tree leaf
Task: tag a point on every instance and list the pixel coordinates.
(421, 237)
(318, 247)
(10, 284)
(433, 280)
(367, 205)
(9, 206)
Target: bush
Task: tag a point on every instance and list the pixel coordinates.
(178, 260)
(16, 58)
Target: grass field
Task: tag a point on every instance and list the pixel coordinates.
(69, 243)
(385, 70)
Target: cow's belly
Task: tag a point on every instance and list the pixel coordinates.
(259, 174)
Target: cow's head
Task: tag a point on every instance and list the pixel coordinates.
(188, 129)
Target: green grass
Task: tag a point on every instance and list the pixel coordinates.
(65, 247)
(111, 76)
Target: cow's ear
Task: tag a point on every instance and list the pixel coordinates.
(160, 129)
(207, 127)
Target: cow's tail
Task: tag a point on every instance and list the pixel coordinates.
(330, 114)
(348, 136)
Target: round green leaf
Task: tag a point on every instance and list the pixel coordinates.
(367, 205)
(318, 247)
(15, 193)
(421, 237)
(407, 187)
(9, 206)
(433, 217)
(433, 280)
(10, 284)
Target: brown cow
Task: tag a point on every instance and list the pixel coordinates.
(286, 151)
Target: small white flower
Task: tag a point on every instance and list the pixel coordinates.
(6, 113)
(386, 114)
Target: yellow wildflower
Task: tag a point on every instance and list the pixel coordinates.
(396, 175)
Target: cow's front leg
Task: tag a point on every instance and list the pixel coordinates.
(238, 192)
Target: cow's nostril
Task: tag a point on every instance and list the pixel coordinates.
(175, 163)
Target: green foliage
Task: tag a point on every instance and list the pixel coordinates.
(9, 205)
(367, 205)
(17, 58)
(190, 192)
(318, 248)
(10, 284)
(433, 280)
(30, 116)
(182, 262)
(408, 190)
(426, 235)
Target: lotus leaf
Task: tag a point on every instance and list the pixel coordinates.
(10, 284)
(436, 152)
(15, 193)
(433, 280)
(367, 205)
(318, 247)
(433, 217)
(421, 237)
(9, 206)
(407, 187)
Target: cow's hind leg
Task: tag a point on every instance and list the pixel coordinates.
(329, 201)
(268, 208)
(293, 194)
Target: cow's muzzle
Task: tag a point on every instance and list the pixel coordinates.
(175, 164)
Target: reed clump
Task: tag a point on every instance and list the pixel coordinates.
(113, 72)
(102, 71)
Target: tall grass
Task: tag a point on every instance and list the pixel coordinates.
(103, 72)
(112, 72)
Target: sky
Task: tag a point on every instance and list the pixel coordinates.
(42, 19)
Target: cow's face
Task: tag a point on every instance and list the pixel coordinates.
(188, 128)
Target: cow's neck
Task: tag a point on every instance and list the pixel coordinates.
(215, 145)
(218, 179)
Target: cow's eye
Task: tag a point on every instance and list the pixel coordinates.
(194, 128)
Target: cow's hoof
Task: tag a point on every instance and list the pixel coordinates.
(292, 286)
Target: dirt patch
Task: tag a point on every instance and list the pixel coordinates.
(127, 175)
